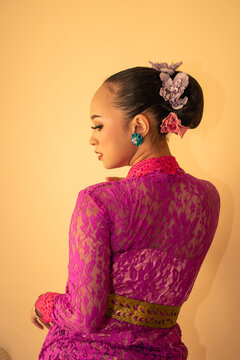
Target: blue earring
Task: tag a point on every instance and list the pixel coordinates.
(137, 139)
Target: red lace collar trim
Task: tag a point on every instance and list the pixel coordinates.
(166, 164)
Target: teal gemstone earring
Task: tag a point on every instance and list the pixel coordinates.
(137, 138)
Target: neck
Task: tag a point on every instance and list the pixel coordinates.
(153, 151)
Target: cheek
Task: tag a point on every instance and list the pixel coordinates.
(121, 140)
(113, 137)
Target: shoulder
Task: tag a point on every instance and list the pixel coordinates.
(107, 189)
(205, 187)
(96, 190)
(111, 195)
(99, 195)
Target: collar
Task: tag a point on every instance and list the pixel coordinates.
(166, 164)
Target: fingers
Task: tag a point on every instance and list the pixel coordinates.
(37, 323)
(34, 319)
(47, 325)
(114, 178)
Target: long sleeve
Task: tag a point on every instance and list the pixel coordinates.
(83, 306)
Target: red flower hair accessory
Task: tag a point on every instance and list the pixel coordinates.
(172, 124)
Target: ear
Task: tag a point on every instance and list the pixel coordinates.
(141, 124)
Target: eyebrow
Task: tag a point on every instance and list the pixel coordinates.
(94, 116)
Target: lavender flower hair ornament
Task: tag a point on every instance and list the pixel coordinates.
(164, 67)
(171, 91)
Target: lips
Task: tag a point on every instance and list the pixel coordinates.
(100, 155)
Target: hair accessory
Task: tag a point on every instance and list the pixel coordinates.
(172, 124)
(137, 138)
(164, 67)
(172, 89)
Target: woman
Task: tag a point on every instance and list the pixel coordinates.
(136, 244)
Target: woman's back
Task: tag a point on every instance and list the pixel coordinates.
(143, 237)
(162, 227)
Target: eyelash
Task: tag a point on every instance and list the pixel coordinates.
(97, 127)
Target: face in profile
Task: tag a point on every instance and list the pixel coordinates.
(110, 137)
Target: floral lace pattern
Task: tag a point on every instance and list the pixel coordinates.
(44, 305)
(166, 164)
(143, 237)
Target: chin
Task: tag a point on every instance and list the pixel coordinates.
(115, 163)
(109, 166)
(113, 166)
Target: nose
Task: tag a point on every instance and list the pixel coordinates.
(92, 141)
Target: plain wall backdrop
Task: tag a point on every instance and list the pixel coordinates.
(54, 56)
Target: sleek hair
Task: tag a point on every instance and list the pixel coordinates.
(138, 89)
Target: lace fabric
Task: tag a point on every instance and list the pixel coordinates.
(166, 164)
(44, 306)
(143, 237)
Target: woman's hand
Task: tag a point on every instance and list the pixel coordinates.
(37, 322)
(114, 178)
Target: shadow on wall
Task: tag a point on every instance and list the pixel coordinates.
(4, 355)
(207, 276)
(221, 239)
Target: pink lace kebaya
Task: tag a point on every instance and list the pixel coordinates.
(144, 237)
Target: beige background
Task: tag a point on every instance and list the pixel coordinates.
(54, 55)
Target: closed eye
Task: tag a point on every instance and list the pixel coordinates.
(97, 127)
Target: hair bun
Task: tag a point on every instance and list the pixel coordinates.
(138, 89)
(191, 112)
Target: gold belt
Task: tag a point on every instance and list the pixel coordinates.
(141, 312)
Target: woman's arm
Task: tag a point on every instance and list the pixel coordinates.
(83, 305)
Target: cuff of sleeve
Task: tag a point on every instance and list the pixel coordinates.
(44, 306)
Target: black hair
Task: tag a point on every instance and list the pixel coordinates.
(138, 90)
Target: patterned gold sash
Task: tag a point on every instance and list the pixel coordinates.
(141, 312)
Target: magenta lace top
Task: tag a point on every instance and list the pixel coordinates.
(143, 237)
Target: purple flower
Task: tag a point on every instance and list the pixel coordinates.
(172, 89)
(165, 68)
